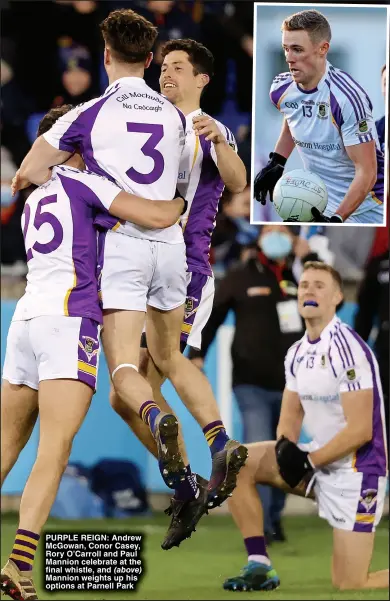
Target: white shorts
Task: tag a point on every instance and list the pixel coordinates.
(349, 500)
(199, 304)
(373, 215)
(52, 347)
(138, 272)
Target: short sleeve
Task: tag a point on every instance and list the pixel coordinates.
(290, 366)
(66, 133)
(353, 361)
(358, 124)
(279, 88)
(97, 191)
(230, 139)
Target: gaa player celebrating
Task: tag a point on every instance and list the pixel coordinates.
(135, 137)
(328, 117)
(53, 347)
(332, 381)
(209, 162)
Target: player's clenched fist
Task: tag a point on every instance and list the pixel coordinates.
(266, 180)
(206, 126)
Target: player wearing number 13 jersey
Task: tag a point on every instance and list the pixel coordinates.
(328, 118)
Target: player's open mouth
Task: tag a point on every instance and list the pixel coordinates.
(294, 71)
(169, 85)
(310, 303)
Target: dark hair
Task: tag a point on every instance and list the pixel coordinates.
(51, 117)
(129, 36)
(321, 266)
(199, 56)
(383, 69)
(312, 21)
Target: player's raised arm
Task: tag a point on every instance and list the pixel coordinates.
(230, 166)
(36, 164)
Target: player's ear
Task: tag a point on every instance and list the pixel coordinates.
(107, 56)
(148, 60)
(203, 80)
(324, 48)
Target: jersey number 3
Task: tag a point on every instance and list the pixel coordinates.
(156, 131)
(39, 219)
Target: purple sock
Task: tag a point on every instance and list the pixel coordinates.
(187, 488)
(255, 545)
(216, 436)
(148, 413)
(24, 548)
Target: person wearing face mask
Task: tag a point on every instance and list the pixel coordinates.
(263, 295)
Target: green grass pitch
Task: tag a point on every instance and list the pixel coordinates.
(197, 569)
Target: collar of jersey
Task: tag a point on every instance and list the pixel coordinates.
(325, 332)
(320, 84)
(131, 80)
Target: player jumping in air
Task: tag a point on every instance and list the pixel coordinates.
(328, 117)
(209, 162)
(53, 346)
(135, 136)
(332, 381)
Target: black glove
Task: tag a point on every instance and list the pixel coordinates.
(265, 181)
(318, 216)
(185, 206)
(294, 464)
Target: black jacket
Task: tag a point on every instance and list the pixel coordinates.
(252, 290)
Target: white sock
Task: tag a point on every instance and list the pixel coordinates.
(260, 559)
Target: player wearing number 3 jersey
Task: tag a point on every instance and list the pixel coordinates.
(53, 344)
(135, 136)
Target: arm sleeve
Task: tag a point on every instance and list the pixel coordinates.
(67, 131)
(97, 191)
(279, 88)
(289, 368)
(358, 124)
(352, 361)
(230, 139)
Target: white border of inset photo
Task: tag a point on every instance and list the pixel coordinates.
(296, 7)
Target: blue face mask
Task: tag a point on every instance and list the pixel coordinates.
(6, 196)
(276, 245)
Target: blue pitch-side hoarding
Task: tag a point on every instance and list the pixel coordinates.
(104, 435)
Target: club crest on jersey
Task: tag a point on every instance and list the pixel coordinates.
(322, 110)
(363, 126)
(351, 374)
(88, 346)
(368, 498)
(323, 360)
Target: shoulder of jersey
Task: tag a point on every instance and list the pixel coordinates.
(345, 88)
(294, 347)
(281, 80)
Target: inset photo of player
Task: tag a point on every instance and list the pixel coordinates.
(322, 158)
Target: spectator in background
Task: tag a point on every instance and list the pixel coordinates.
(13, 258)
(262, 293)
(349, 257)
(233, 230)
(380, 124)
(76, 67)
(373, 308)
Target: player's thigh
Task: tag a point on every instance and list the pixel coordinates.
(20, 366)
(63, 405)
(19, 412)
(168, 287)
(120, 337)
(163, 333)
(127, 271)
(198, 307)
(352, 553)
(66, 348)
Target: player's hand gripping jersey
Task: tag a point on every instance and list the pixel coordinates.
(61, 245)
(320, 371)
(201, 185)
(323, 122)
(133, 136)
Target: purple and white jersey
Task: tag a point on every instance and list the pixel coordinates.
(135, 137)
(201, 185)
(320, 371)
(61, 245)
(323, 122)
